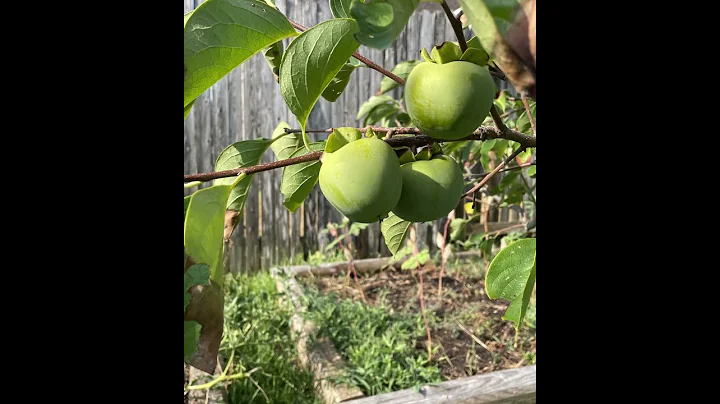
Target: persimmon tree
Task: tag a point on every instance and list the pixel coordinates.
(411, 162)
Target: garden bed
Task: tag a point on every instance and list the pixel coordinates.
(465, 325)
(469, 337)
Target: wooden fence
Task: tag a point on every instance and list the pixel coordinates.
(247, 104)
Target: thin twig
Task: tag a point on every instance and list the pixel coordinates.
(527, 108)
(442, 251)
(471, 335)
(360, 57)
(483, 175)
(495, 171)
(456, 26)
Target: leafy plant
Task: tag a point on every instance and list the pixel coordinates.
(222, 34)
(258, 335)
(378, 345)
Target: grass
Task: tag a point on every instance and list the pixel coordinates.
(257, 330)
(378, 345)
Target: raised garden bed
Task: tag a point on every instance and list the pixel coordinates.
(479, 357)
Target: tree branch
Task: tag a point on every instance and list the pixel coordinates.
(527, 108)
(456, 26)
(495, 171)
(359, 57)
(254, 169)
(481, 134)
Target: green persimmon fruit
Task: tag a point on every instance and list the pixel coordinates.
(449, 101)
(430, 189)
(362, 179)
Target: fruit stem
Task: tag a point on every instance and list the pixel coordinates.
(456, 26)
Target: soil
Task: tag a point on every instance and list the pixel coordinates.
(464, 301)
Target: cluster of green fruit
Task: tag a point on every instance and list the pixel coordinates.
(447, 97)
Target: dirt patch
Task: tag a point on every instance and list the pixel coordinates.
(466, 327)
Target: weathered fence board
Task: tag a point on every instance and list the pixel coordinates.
(247, 104)
(511, 386)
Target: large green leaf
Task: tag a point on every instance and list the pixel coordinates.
(204, 223)
(491, 21)
(511, 276)
(245, 153)
(188, 108)
(222, 34)
(299, 179)
(340, 81)
(401, 70)
(284, 144)
(310, 63)
(394, 231)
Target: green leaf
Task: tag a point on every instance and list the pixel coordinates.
(511, 276)
(340, 137)
(204, 226)
(222, 34)
(187, 17)
(341, 80)
(285, 145)
(273, 55)
(475, 52)
(245, 153)
(426, 56)
(531, 171)
(198, 274)
(377, 16)
(299, 179)
(188, 108)
(310, 63)
(372, 103)
(424, 154)
(187, 203)
(340, 8)
(523, 122)
(375, 21)
(394, 231)
(192, 335)
(406, 157)
(457, 229)
(401, 70)
(382, 111)
(446, 52)
(501, 102)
